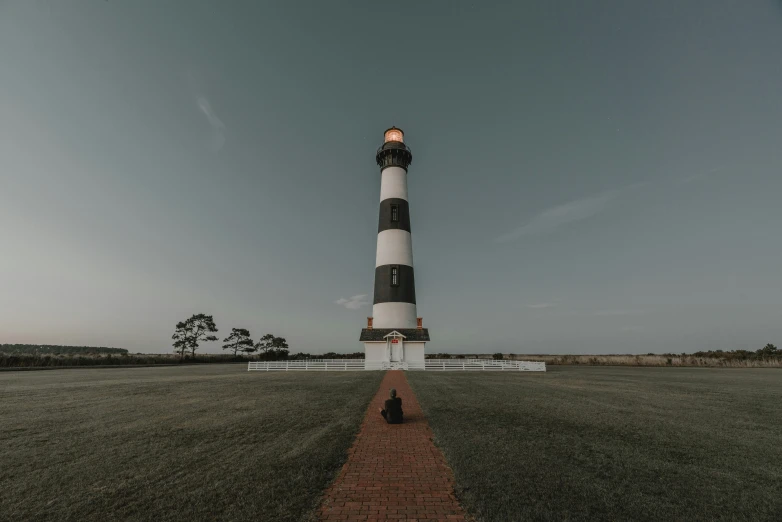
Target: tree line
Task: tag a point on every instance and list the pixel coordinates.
(54, 349)
(767, 352)
(188, 335)
(328, 355)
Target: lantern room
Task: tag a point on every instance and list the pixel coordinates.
(394, 134)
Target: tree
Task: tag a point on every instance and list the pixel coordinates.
(769, 351)
(239, 340)
(192, 331)
(264, 344)
(280, 345)
(273, 346)
(497, 356)
(248, 349)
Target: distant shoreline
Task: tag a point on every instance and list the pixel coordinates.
(91, 366)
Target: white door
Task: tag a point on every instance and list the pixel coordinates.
(396, 350)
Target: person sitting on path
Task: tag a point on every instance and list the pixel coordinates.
(393, 410)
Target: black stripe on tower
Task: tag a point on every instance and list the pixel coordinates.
(394, 215)
(388, 292)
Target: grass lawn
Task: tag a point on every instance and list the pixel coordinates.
(618, 443)
(207, 442)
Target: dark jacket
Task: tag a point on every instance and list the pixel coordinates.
(393, 412)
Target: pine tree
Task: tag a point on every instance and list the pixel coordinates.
(239, 340)
(191, 332)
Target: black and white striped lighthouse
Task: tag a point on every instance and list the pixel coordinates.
(394, 303)
(395, 321)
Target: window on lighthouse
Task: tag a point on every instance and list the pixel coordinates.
(394, 276)
(394, 213)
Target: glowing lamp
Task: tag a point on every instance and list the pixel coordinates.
(394, 134)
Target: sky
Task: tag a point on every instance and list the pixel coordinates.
(587, 177)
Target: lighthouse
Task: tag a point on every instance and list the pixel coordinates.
(394, 336)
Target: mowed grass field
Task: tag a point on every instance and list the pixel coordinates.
(192, 443)
(611, 443)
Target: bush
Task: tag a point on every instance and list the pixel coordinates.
(54, 349)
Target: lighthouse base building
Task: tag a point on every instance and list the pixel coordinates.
(395, 349)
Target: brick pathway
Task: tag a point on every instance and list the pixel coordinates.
(393, 471)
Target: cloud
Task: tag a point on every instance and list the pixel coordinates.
(560, 215)
(581, 209)
(354, 303)
(701, 176)
(617, 312)
(218, 127)
(541, 305)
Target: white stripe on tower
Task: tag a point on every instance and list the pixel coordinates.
(394, 247)
(394, 315)
(393, 183)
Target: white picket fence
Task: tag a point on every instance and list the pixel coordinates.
(328, 365)
(483, 365)
(342, 365)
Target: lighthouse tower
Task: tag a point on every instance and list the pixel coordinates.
(394, 335)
